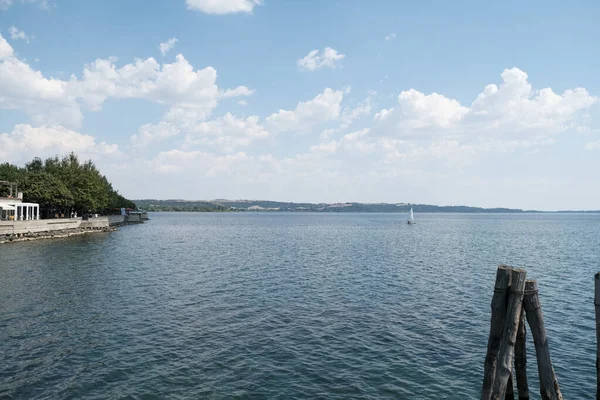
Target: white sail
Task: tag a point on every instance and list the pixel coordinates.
(411, 217)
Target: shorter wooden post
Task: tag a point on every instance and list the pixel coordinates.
(549, 389)
(521, 360)
(499, 301)
(597, 307)
(509, 334)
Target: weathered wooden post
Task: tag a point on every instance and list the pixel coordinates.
(499, 302)
(597, 307)
(549, 389)
(521, 360)
(510, 389)
(509, 333)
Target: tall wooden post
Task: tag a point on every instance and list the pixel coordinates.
(549, 389)
(509, 333)
(597, 307)
(521, 360)
(499, 302)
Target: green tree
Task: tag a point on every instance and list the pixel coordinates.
(64, 183)
(89, 189)
(47, 190)
(118, 201)
(10, 173)
(35, 166)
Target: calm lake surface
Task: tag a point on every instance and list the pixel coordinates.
(281, 306)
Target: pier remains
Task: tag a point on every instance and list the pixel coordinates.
(515, 301)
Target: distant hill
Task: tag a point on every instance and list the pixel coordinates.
(357, 207)
(223, 205)
(181, 205)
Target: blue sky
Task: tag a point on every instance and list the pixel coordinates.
(311, 100)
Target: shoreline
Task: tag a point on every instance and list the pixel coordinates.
(20, 231)
(28, 237)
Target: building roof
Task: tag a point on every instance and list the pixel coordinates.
(10, 200)
(14, 202)
(7, 207)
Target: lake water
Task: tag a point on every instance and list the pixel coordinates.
(281, 306)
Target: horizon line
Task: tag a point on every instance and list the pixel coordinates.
(378, 202)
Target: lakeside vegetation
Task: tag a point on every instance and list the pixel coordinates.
(181, 205)
(357, 207)
(63, 185)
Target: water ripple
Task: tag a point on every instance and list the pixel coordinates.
(286, 306)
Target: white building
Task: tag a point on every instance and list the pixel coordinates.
(16, 210)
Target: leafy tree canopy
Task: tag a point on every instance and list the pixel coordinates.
(64, 183)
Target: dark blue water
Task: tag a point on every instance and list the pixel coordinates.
(280, 306)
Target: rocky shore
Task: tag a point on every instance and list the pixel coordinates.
(25, 237)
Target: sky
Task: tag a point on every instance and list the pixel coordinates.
(491, 104)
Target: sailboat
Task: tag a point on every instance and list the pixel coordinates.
(411, 218)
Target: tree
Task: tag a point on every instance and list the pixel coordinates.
(47, 190)
(35, 166)
(118, 201)
(64, 183)
(90, 190)
(11, 173)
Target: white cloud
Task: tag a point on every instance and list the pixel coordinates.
(227, 133)
(434, 132)
(223, 6)
(383, 114)
(165, 47)
(238, 91)
(433, 155)
(43, 4)
(176, 84)
(190, 95)
(150, 133)
(515, 105)
(6, 49)
(451, 153)
(390, 36)
(26, 141)
(351, 142)
(200, 163)
(511, 109)
(242, 102)
(354, 136)
(325, 107)
(327, 148)
(46, 100)
(316, 60)
(350, 115)
(185, 117)
(17, 34)
(593, 145)
(327, 133)
(417, 110)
